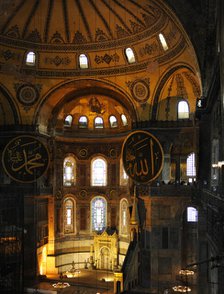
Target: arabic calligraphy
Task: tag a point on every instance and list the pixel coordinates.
(142, 156)
(25, 159)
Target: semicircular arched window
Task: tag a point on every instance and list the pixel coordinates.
(83, 122)
(68, 120)
(31, 58)
(83, 61)
(69, 219)
(99, 172)
(69, 171)
(163, 42)
(124, 120)
(183, 110)
(130, 55)
(98, 214)
(113, 121)
(98, 122)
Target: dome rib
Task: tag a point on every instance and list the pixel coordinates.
(48, 18)
(29, 19)
(118, 17)
(84, 20)
(130, 12)
(14, 13)
(102, 18)
(65, 12)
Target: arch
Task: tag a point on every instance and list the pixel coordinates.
(6, 109)
(51, 104)
(162, 83)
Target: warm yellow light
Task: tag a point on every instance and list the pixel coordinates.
(61, 285)
(186, 272)
(182, 289)
(72, 274)
(41, 269)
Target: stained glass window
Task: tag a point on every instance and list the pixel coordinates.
(99, 215)
(99, 172)
(69, 171)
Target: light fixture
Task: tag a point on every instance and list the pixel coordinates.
(218, 164)
(186, 272)
(61, 285)
(72, 272)
(181, 289)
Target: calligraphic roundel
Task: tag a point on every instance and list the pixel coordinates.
(25, 159)
(142, 157)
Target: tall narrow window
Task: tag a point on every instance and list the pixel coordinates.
(68, 215)
(30, 58)
(69, 171)
(99, 172)
(124, 217)
(98, 122)
(163, 42)
(191, 169)
(130, 55)
(83, 122)
(98, 214)
(68, 121)
(183, 110)
(192, 214)
(124, 120)
(113, 121)
(83, 61)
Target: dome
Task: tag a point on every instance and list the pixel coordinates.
(125, 51)
(79, 23)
